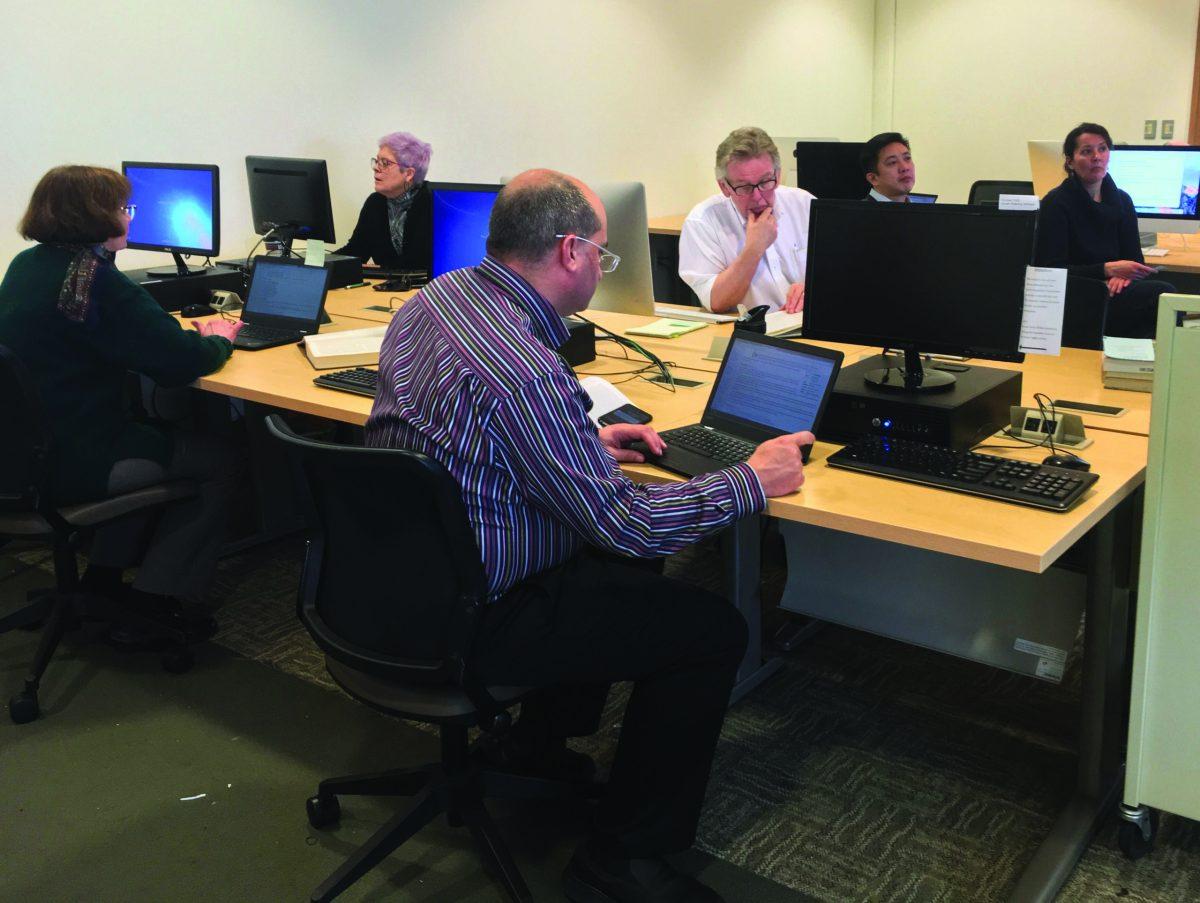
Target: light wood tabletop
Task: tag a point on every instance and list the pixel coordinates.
(1183, 253)
(667, 225)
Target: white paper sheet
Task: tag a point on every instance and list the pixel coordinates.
(605, 397)
(1019, 202)
(1045, 302)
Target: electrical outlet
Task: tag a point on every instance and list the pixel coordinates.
(1168, 129)
(1150, 130)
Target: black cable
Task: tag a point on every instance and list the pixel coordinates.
(663, 369)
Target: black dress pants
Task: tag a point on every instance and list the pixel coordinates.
(575, 629)
(1133, 312)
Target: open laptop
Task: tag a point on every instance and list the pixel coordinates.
(766, 387)
(284, 303)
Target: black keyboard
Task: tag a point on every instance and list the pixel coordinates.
(1040, 485)
(721, 447)
(257, 334)
(359, 380)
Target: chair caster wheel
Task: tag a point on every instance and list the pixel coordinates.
(1131, 840)
(23, 707)
(178, 661)
(323, 811)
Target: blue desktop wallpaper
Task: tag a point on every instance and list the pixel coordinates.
(460, 226)
(174, 208)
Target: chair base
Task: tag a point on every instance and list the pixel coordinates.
(455, 787)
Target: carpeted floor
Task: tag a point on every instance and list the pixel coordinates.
(864, 770)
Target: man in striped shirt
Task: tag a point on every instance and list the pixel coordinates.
(469, 375)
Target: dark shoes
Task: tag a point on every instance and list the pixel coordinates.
(593, 877)
(160, 617)
(555, 761)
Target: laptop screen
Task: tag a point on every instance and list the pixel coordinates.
(280, 289)
(780, 386)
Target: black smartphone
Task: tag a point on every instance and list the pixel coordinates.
(1087, 407)
(679, 381)
(626, 413)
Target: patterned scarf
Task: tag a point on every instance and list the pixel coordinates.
(75, 296)
(397, 213)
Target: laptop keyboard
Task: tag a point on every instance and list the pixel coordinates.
(721, 447)
(256, 332)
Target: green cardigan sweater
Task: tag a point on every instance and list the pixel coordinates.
(80, 367)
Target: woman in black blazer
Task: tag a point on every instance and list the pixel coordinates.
(1088, 226)
(395, 226)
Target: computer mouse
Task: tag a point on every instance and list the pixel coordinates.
(1067, 460)
(196, 310)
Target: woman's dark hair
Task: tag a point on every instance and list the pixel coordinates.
(1084, 128)
(76, 205)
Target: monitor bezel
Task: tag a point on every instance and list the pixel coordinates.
(817, 332)
(211, 168)
(852, 149)
(1156, 149)
(308, 165)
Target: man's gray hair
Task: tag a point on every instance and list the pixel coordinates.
(744, 144)
(526, 218)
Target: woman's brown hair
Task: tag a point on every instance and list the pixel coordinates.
(76, 205)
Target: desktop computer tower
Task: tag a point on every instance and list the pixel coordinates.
(965, 414)
(177, 292)
(343, 269)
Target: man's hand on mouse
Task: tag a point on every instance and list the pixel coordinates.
(778, 463)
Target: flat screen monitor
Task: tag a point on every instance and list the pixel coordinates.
(830, 169)
(940, 278)
(460, 224)
(178, 210)
(289, 198)
(1163, 183)
(629, 289)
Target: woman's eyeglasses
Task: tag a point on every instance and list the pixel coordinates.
(130, 210)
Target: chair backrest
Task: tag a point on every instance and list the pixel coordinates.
(26, 444)
(393, 579)
(986, 192)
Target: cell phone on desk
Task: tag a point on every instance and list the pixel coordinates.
(626, 413)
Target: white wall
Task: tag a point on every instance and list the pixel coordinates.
(622, 89)
(975, 79)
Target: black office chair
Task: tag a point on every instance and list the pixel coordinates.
(391, 590)
(1085, 313)
(986, 192)
(28, 512)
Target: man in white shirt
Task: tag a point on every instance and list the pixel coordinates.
(749, 244)
(888, 165)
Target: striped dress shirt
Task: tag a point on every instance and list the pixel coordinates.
(470, 377)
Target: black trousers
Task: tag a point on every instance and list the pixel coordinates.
(1133, 312)
(575, 629)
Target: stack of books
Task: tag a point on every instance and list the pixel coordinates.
(1128, 364)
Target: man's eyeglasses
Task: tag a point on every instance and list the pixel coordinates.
(130, 210)
(608, 260)
(746, 190)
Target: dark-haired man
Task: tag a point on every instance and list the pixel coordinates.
(888, 165)
(469, 375)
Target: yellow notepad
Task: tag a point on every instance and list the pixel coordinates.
(666, 328)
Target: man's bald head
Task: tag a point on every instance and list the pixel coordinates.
(534, 207)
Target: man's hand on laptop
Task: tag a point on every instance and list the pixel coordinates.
(619, 435)
(227, 329)
(778, 463)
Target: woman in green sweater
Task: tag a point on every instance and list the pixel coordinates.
(79, 325)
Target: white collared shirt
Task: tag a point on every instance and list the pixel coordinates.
(714, 234)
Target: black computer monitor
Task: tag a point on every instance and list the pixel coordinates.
(289, 198)
(830, 169)
(938, 278)
(460, 224)
(178, 211)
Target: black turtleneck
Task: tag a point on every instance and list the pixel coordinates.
(1081, 234)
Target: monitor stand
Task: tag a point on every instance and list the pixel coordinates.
(912, 377)
(181, 269)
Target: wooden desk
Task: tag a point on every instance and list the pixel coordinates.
(1183, 253)
(906, 514)
(667, 225)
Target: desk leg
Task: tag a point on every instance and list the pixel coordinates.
(1104, 708)
(741, 548)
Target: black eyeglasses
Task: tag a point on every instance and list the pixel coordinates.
(746, 190)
